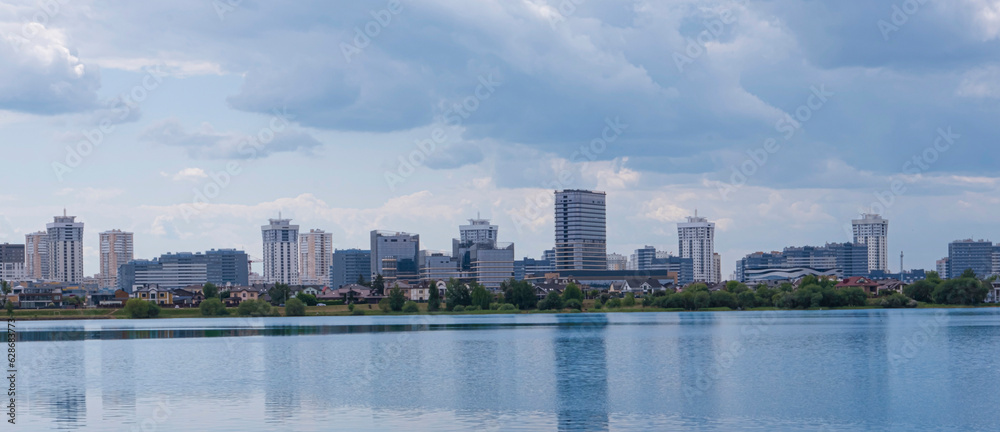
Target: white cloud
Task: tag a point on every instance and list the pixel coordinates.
(187, 174)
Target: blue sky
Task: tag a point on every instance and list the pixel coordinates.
(780, 120)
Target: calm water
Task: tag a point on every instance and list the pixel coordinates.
(905, 370)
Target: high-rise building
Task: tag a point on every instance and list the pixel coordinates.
(644, 258)
(315, 257)
(617, 261)
(438, 265)
(12, 262)
(581, 230)
(535, 267)
(717, 267)
(970, 254)
(349, 265)
(36, 255)
(696, 240)
(996, 259)
(478, 231)
(942, 268)
(834, 259)
(402, 247)
(116, 249)
(65, 249)
(492, 264)
(873, 231)
(281, 251)
(177, 270)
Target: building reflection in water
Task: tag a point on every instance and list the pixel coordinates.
(581, 372)
(66, 402)
(118, 380)
(281, 371)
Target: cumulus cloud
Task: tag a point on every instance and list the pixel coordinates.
(207, 143)
(186, 174)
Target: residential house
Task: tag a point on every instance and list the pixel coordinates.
(869, 286)
(153, 293)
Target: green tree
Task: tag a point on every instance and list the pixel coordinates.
(411, 307)
(854, 296)
(139, 308)
(308, 299)
(723, 299)
(396, 298)
(702, 299)
(520, 294)
(255, 308)
(295, 307)
(378, 285)
(457, 294)
(552, 301)
(361, 281)
(210, 290)
(383, 305)
(920, 290)
(279, 293)
(574, 304)
(481, 297)
(5, 287)
(213, 307)
(968, 274)
(736, 287)
(434, 300)
(572, 292)
(629, 300)
(594, 294)
(961, 291)
(934, 277)
(695, 287)
(747, 299)
(9, 306)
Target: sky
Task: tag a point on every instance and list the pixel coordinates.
(192, 122)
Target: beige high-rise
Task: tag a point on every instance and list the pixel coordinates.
(116, 249)
(315, 257)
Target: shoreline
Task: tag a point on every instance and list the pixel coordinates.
(112, 314)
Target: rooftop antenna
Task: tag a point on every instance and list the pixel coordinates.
(64, 211)
(901, 263)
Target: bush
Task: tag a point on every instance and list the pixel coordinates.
(384, 305)
(255, 308)
(213, 307)
(723, 299)
(139, 308)
(458, 308)
(507, 307)
(358, 312)
(308, 299)
(896, 300)
(614, 303)
(572, 292)
(350, 307)
(295, 307)
(629, 300)
(410, 307)
(472, 308)
(597, 306)
(574, 304)
(494, 306)
(552, 302)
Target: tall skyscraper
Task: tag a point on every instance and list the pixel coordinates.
(281, 251)
(12, 262)
(717, 267)
(116, 249)
(696, 240)
(65, 249)
(348, 264)
(617, 261)
(36, 255)
(581, 230)
(478, 231)
(970, 254)
(315, 257)
(401, 247)
(873, 231)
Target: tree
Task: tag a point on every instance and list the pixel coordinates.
(139, 308)
(724, 299)
(594, 294)
(480, 297)
(210, 291)
(747, 300)
(572, 292)
(629, 300)
(457, 294)
(295, 307)
(520, 294)
(308, 299)
(434, 300)
(552, 301)
(255, 308)
(702, 299)
(361, 281)
(961, 291)
(279, 293)
(695, 287)
(213, 307)
(968, 274)
(75, 301)
(736, 287)
(574, 304)
(854, 296)
(5, 287)
(411, 307)
(396, 298)
(378, 285)
(920, 290)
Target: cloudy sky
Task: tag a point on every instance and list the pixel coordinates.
(191, 122)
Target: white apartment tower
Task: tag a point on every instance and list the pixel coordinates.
(315, 257)
(116, 249)
(36, 255)
(696, 240)
(873, 231)
(478, 231)
(281, 251)
(65, 249)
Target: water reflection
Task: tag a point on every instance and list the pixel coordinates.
(581, 369)
(118, 381)
(281, 373)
